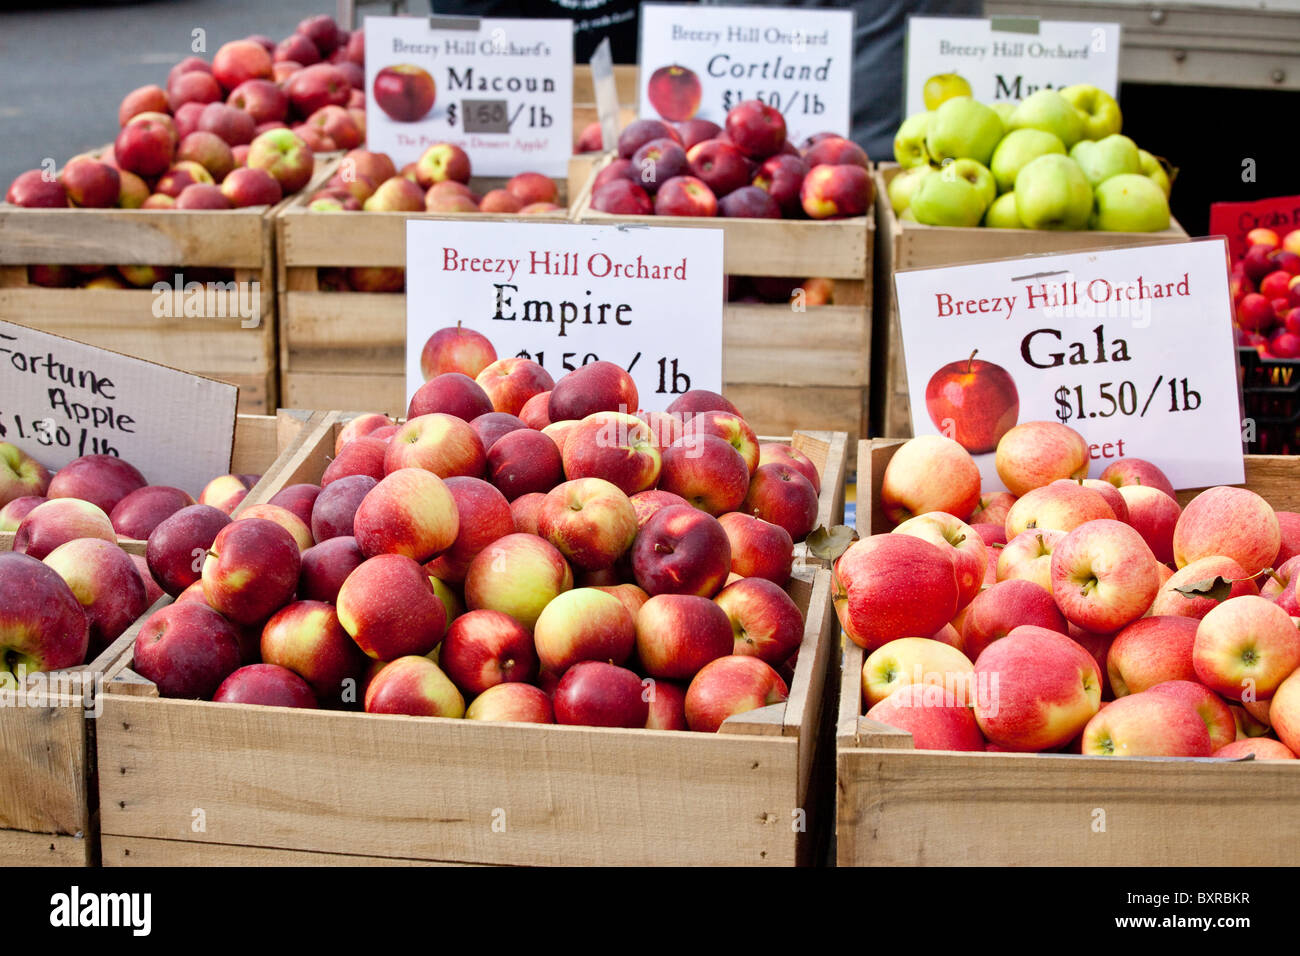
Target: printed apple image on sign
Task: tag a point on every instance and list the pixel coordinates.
(404, 92)
(973, 402)
(674, 92)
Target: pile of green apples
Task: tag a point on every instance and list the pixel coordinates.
(1056, 160)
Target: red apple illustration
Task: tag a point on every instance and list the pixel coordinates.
(674, 92)
(404, 92)
(973, 402)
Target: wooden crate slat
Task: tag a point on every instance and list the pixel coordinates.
(781, 410)
(145, 851)
(769, 344)
(21, 848)
(43, 785)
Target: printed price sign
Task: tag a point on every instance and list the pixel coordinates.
(501, 90)
(1133, 348)
(648, 299)
(61, 399)
(700, 61)
(1006, 59)
(1235, 219)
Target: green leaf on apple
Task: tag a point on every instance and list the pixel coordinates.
(1216, 589)
(829, 544)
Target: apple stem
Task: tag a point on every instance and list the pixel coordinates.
(1276, 577)
(970, 362)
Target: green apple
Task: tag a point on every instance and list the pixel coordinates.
(1016, 149)
(908, 215)
(1131, 202)
(1052, 193)
(909, 141)
(904, 184)
(1051, 112)
(963, 128)
(1106, 157)
(1002, 214)
(956, 195)
(1101, 114)
(943, 87)
(1154, 170)
(1004, 110)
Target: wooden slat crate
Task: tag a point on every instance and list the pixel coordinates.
(786, 369)
(898, 806)
(910, 245)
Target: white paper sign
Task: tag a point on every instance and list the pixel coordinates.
(1132, 347)
(502, 90)
(647, 298)
(798, 61)
(1006, 65)
(61, 399)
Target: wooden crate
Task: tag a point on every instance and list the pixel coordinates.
(786, 369)
(350, 347)
(910, 245)
(900, 806)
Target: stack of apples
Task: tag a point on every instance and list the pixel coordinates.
(1072, 614)
(1056, 160)
(746, 169)
(518, 549)
(1265, 285)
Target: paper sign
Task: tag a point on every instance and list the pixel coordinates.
(61, 399)
(648, 299)
(700, 61)
(1006, 61)
(1235, 219)
(1132, 347)
(501, 90)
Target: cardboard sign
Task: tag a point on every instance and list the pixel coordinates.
(1005, 60)
(1235, 219)
(61, 399)
(648, 299)
(700, 61)
(501, 90)
(1133, 348)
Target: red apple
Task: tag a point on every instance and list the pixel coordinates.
(974, 402)
(685, 196)
(599, 694)
(518, 575)
(452, 393)
(757, 130)
(759, 549)
(893, 586)
(414, 686)
(730, 686)
(484, 648)
(677, 634)
(524, 462)
(682, 550)
(639, 132)
(103, 480)
(404, 92)
(520, 703)
(187, 649)
(484, 516)
(410, 512)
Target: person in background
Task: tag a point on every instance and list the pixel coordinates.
(879, 39)
(593, 20)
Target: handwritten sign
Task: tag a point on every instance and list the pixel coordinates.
(648, 299)
(1235, 219)
(61, 399)
(1133, 348)
(501, 90)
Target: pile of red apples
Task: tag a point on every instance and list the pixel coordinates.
(1071, 614)
(745, 169)
(1265, 285)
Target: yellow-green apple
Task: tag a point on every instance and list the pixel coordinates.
(962, 128)
(484, 516)
(1048, 110)
(103, 480)
(667, 706)
(12, 514)
(731, 428)
(516, 702)
(1214, 713)
(782, 495)
(1033, 454)
(1028, 556)
(677, 634)
(707, 471)
(1284, 712)
(1061, 505)
(1150, 651)
(439, 443)
(615, 446)
(910, 147)
(892, 585)
(1245, 648)
(1037, 689)
(958, 195)
(524, 511)
(1147, 725)
(904, 185)
(937, 717)
(728, 686)
(414, 686)
(177, 546)
(334, 509)
(251, 570)
(59, 520)
(597, 387)
(43, 626)
(187, 649)
(535, 413)
(388, 606)
(266, 684)
(764, 619)
(1018, 148)
(450, 393)
(1110, 156)
(600, 694)
(1053, 193)
(1228, 522)
(993, 508)
(364, 455)
(759, 549)
(583, 624)
(518, 575)
(285, 518)
(589, 520)
(484, 648)
(917, 660)
(1100, 113)
(1136, 471)
(450, 598)
(1154, 169)
(929, 473)
(225, 492)
(21, 476)
(1002, 213)
(456, 349)
(285, 156)
(956, 539)
(1201, 574)
(998, 611)
(307, 638)
(1261, 748)
(1103, 576)
(411, 513)
(681, 550)
(510, 382)
(105, 583)
(1131, 202)
(524, 462)
(491, 426)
